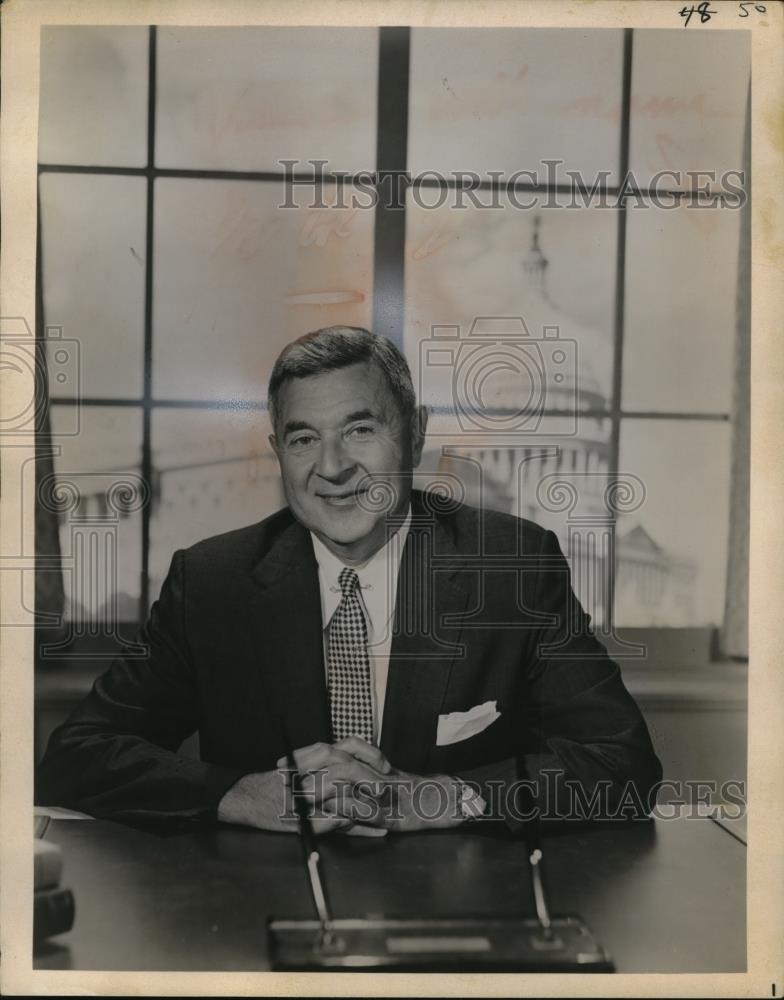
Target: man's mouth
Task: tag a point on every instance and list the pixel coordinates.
(345, 499)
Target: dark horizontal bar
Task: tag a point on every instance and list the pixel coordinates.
(268, 176)
(671, 415)
(209, 404)
(95, 401)
(187, 404)
(261, 405)
(506, 411)
(66, 168)
(274, 177)
(593, 413)
(545, 188)
(500, 185)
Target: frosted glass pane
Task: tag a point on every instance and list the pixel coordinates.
(93, 107)
(688, 105)
(681, 283)
(509, 476)
(93, 231)
(244, 98)
(556, 477)
(104, 455)
(237, 277)
(505, 99)
(215, 472)
(465, 264)
(672, 552)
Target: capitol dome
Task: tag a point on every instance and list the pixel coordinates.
(582, 380)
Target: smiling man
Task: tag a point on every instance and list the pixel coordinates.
(346, 425)
(420, 657)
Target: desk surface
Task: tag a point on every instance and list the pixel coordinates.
(667, 896)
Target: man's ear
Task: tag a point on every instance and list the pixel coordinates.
(274, 444)
(418, 431)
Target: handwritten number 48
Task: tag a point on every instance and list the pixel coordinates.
(704, 12)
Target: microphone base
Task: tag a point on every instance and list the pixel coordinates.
(435, 944)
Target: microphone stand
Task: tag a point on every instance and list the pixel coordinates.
(311, 854)
(535, 858)
(540, 896)
(447, 942)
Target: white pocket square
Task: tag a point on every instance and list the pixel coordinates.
(456, 726)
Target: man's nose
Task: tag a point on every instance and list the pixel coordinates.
(334, 463)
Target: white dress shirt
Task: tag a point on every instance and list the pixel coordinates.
(377, 595)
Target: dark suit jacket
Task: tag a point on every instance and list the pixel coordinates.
(485, 612)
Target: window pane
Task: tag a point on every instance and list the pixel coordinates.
(93, 231)
(672, 552)
(237, 277)
(100, 531)
(471, 263)
(681, 283)
(505, 99)
(93, 107)
(689, 92)
(214, 471)
(556, 477)
(244, 98)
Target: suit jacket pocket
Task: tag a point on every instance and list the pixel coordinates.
(492, 743)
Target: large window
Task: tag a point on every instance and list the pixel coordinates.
(166, 254)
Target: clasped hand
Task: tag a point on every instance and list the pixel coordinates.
(348, 785)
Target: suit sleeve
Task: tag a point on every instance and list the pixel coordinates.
(115, 756)
(585, 738)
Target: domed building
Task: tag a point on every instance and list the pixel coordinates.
(539, 436)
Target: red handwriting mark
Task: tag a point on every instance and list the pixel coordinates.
(663, 140)
(322, 224)
(433, 243)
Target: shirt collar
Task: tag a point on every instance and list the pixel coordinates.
(377, 578)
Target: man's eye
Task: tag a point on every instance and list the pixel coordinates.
(361, 431)
(301, 441)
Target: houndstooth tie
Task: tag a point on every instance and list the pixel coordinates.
(349, 664)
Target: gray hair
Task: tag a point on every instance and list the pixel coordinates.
(335, 347)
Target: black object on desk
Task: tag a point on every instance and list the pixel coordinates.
(477, 943)
(53, 913)
(436, 944)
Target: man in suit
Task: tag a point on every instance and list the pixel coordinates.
(420, 656)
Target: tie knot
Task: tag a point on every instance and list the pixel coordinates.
(348, 580)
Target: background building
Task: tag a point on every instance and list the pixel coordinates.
(653, 586)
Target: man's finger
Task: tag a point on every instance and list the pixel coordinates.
(313, 755)
(327, 824)
(339, 780)
(342, 815)
(361, 830)
(365, 752)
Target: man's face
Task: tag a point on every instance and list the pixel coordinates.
(338, 435)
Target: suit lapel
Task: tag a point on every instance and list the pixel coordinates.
(286, 625)
(431, 598)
